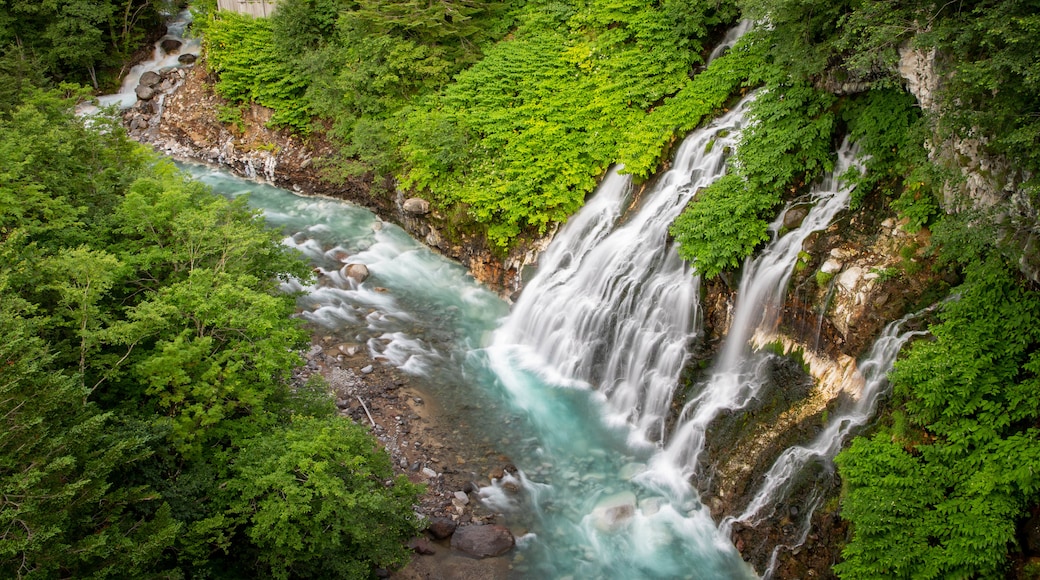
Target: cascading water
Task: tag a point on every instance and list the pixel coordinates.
(778, 481)
(593, 351)
(160, 61)
(738, 375)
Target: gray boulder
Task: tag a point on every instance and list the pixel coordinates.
(149, 79)
(483, 541)
(416, 206)
(144, 92)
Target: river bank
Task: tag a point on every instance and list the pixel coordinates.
(426, 442)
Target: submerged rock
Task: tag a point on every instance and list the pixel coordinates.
(614, 512)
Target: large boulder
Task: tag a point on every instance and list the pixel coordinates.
(441, 528)
(416, 206)
(144, 92)
(483, 541)
(795, 216)
(358, 272)
(149, 79)
(170, 45)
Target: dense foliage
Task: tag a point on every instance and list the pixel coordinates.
(150, 425)
(939, 496)
(76, 40)
(511, 135)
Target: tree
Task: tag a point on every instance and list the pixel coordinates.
(314, 498)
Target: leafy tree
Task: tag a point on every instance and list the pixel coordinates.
(313, 500)
(63, 510)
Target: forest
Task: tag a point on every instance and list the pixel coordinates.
(152, 426)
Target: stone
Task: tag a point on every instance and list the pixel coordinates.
(850, 278)
(170, 45)
(187, 59)
(794, 217)
(485, 541)
(462, 497)
(831, 266)
(416, 206)
(150, 78)
(144, 92)
(429, 472)
(441, 527)
(614, 512)
(367, 370)
(356, 272)
(421, 546)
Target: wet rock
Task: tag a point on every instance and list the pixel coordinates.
(189, 59)
(416, 206)
(794, 217)
(149, 79)
(614, 512)
(483, 541)
(144, 92)
(421, 546)
(831, 266)
(441, 528)
(357, 272)
(170, 45)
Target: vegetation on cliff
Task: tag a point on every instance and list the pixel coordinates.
(150, 425)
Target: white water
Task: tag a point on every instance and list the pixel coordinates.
(592, 353)
(793, 462)
(737, 374)
(160, 61)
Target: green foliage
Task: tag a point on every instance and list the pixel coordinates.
(149, 426)
(974, 391)
(75, 39)
(787, 145)
(722, 226)
(313, 500)
(60, 508)
(251, 68)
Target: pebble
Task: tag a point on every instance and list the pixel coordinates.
(366, 370)
(429, 472)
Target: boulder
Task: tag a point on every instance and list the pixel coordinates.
(170, 45)
(441, 528)
(144, 92)
(416, 206)
(485, 541)
(794, 217)
(187, 59)
(358, 272)
(149, 79)
(421, 546)
(614, 512)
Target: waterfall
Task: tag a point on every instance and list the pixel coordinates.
(614, 308)
(738, 373)
(779, 480)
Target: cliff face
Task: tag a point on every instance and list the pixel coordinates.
(181, 120)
